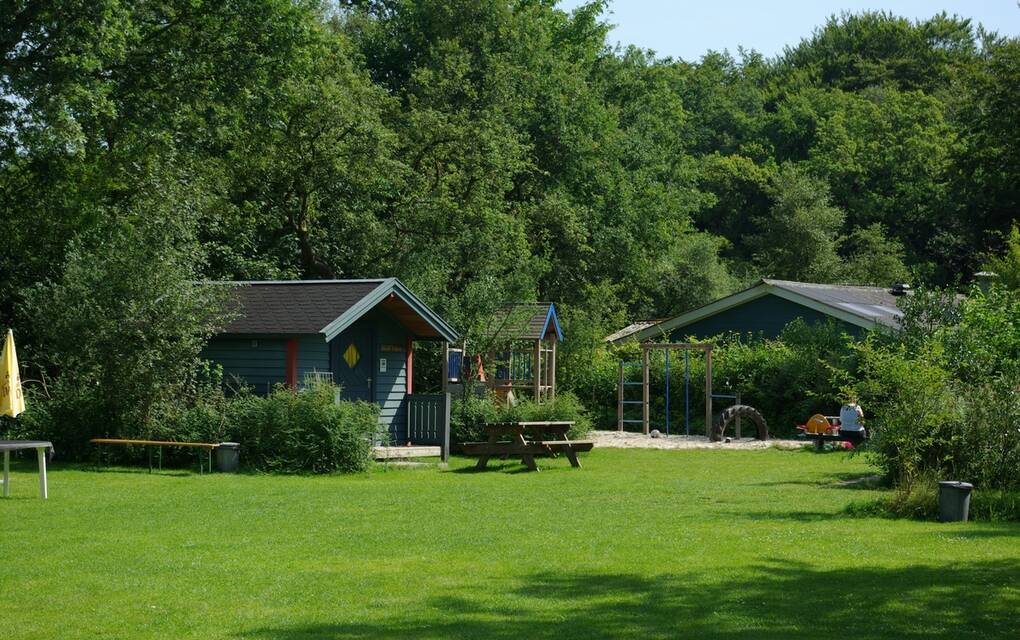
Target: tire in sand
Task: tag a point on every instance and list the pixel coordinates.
(739, 411)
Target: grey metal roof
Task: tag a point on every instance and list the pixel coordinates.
(872, 303)
(295, 306)
(630, 329)
(867, 307)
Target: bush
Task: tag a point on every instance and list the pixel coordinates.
(945, 403)
(471, 413)
(284, 432)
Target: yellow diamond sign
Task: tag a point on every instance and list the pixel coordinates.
(351, 356)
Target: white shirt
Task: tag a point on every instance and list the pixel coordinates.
(850, 417)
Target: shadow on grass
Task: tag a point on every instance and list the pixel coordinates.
(770, 601)
(852, 481)
(515, 466)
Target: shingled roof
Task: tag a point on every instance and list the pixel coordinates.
(326, 306)
(867, 307)
(526, 321)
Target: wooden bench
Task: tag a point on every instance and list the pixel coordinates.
(206, 446)
(508, 439)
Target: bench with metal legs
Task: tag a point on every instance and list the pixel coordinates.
(205, 450)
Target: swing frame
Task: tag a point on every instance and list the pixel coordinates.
(646, 348)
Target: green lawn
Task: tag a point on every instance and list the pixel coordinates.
(638, 544)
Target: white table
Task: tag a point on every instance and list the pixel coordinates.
(16, 445)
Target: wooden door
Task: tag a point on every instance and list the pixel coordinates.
(352, 363)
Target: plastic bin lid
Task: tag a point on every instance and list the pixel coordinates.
(231, 445)
(955, 484)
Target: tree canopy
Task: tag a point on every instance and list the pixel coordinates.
(487, 151)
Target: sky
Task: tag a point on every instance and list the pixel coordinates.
(688, 28)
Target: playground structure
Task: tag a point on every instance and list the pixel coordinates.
(714, 429)
(821, 429)
(517, 354)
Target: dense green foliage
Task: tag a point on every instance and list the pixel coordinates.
(722, 545)
(943, 401)
(284, 431)
(484, 151)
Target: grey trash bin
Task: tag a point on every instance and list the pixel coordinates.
(228, 456)
(954, 500)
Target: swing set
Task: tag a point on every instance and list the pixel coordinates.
(713, 429)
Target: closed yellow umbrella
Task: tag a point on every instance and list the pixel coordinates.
(12, 401)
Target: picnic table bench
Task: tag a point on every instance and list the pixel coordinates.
(543, 438)
(206, 446)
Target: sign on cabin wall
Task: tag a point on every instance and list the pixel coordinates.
(382, 365)
(393, 348)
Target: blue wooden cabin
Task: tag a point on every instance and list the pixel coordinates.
(768, 307)
(359, 334)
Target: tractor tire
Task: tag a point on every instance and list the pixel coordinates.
(742, 411)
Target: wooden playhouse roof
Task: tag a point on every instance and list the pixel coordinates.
(526, 321)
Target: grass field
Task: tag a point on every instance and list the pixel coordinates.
(638, 544)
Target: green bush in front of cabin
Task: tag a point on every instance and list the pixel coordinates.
(284, 432)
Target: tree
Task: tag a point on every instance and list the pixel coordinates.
(872, 258)
(1007, 265)
(121, 329)
(799, 238)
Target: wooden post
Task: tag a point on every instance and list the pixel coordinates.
(619, 400)
(646, 383)
(552, 370)
(737, 401)
(536, 372)
(446, 366)
(708, 392)
(409, 373)
(445, 456)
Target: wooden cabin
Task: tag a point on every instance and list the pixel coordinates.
(768, 307)
(359, 334)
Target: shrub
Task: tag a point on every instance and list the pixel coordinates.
(284, 432)
(930, 417)
(565, 407)
(470, 413)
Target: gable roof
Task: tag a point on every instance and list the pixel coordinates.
(527, 321)
(630, 329)
(327, 307)
(867, 307)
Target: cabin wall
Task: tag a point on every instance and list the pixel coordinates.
(766, 316)
(261, 361)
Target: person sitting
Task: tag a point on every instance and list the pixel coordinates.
(851, 426)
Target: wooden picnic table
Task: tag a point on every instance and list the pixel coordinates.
(527, 439)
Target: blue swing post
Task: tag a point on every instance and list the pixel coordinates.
(667, 392)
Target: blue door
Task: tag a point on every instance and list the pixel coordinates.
(352, 363)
